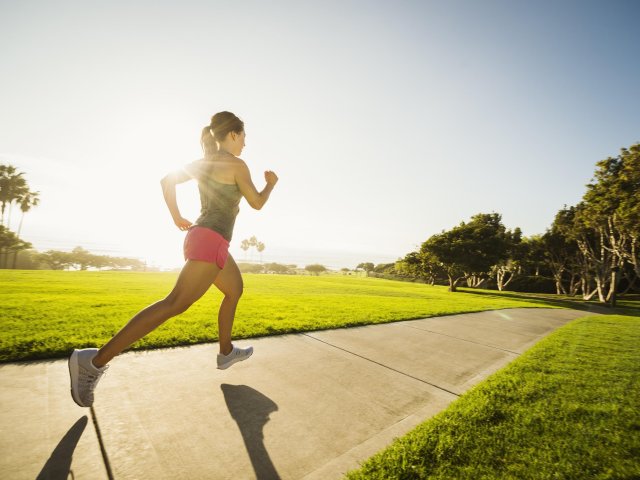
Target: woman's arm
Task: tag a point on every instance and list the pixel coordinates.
(247, 188)
(169, 183)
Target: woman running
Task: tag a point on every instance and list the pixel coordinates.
(223, 179)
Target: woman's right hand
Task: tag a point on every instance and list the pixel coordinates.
(182, 223)
(270, 177)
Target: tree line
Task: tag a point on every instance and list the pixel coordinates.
(281, 269)
(14, 193)
(16, 252)
(77, 259)
(590, 249)
(81, 259)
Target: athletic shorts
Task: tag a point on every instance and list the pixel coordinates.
(202, 243)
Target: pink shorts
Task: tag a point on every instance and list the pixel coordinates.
(204, 244)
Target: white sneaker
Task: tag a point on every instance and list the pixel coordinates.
(84, 375)
(236, 355)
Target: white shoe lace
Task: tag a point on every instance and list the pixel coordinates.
(88, 381)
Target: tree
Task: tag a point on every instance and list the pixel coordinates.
(447, 253)
(606, 225)
(119, 262)
(611, 207)
(367, 267)
(27, 201)
(101, 261)
(561, 252)
(56, 260)
(260, 247)
(251, 268)
(421, 264)
(385, 268)
(315, 269)
(252, 242)
(534, 255)
(9, 242)
(587, 243)
(81, 257)
(469, 250)
(12, 187)
(277, 268)
(628, 211)
(510, 267)
(244, 245)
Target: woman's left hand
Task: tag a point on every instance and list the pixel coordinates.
(182, 223)
(270, 177)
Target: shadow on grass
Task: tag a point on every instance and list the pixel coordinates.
(627, 305)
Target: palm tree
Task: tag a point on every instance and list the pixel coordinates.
(244, 245)
(28, 200)
(260, 247)
(12, 187)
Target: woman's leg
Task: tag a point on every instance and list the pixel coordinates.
(194, 280)
(229, 282)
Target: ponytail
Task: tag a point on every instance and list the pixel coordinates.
(208, 143)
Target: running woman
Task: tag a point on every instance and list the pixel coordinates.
(223, 179)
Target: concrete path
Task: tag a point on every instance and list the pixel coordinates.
(306, 406)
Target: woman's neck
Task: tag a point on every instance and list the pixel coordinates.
(223, 152)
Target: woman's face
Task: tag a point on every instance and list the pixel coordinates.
(237, 142)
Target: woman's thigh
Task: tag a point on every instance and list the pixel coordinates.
(194, 280)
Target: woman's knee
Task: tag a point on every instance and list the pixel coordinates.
(176, 305)
(235, 293)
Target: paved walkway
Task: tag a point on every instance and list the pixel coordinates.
(306, 406)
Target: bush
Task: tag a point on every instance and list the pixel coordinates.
(315, 269)
(388, 268)
(278, 268)
(250, 267)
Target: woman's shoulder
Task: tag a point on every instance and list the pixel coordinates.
(195, 168)
(222, 167)
(221, 157)
(228, 161)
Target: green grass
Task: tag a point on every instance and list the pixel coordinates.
(566, 409)
(45, 314)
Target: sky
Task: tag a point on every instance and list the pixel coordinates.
(386, 121)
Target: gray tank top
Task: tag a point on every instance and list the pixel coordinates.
(219, 201)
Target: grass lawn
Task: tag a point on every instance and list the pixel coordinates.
(566, 409)
(569, 408)
(45, 314)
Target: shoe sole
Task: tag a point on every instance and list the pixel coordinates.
(74, 372)
(233, 362)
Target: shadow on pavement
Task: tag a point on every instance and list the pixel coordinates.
(58, 465)
(250, 409)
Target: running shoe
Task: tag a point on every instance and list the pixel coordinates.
(236, 355)
(84, 375)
